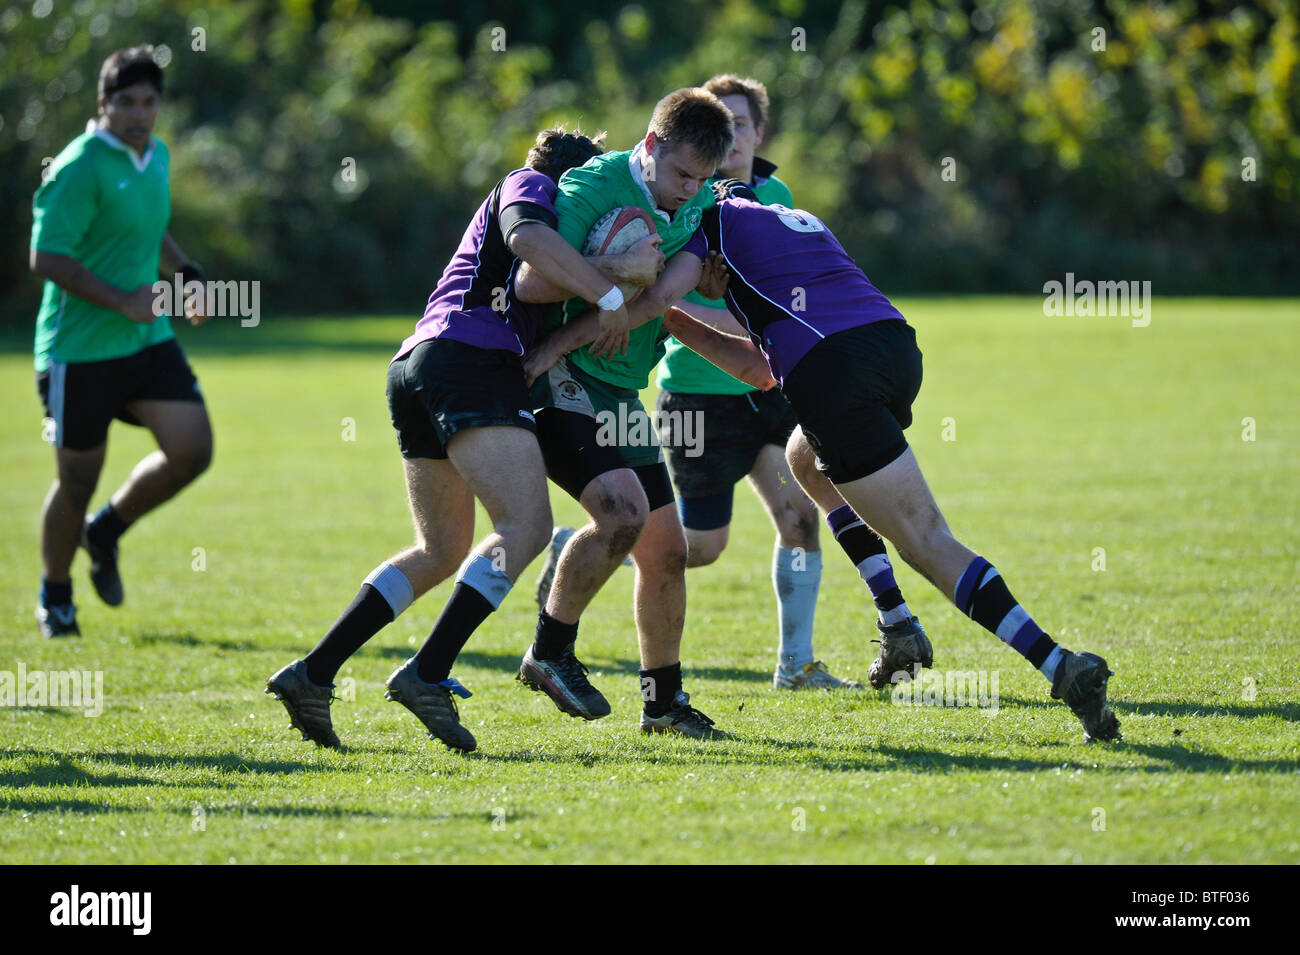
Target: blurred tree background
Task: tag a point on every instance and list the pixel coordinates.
(336, 150)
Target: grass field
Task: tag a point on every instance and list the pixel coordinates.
(1071, 434)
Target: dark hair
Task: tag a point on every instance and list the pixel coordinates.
(729, 84)
(557, 150)
(694, 117)
(125, 68)
(724, 189)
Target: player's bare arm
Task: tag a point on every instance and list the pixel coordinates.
(718, 318)
(173, 261)
(713, 285)
(736, 355)
(640, 265)
(171, 258)
(71, 276)
(680, 276)
(555, 260)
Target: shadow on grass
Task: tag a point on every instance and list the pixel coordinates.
(190, 640)
(62, 769)
(90, 807)
(697, 754)
(1288, 711)
(531, 756)
(468, 658)
(1173, 759)
(509, 663)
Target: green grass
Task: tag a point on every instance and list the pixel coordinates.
(1072, 434)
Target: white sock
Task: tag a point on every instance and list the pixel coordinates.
(392, 586)
(796, 577)
(478, 572)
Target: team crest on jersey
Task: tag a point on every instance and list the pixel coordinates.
(692, 219)
(568, 393)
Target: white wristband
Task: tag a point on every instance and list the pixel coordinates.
(610, 300)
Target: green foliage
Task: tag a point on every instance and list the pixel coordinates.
(1171, 154)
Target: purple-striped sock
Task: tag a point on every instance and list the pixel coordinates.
(983, 596)
(867, 552)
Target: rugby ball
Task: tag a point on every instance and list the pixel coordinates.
(617, 231)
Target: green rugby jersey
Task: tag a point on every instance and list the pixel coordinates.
(107, 208)
(588, 192)
(684, 371)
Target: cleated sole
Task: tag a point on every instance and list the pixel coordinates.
(876, 683)
(718, 736)
(538, 685)
(1098, 681)
(454, 747)
(293, 722)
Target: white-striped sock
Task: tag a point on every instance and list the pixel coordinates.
(1048, 669)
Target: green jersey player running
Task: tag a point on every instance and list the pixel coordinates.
(103, 350)
(620, 478)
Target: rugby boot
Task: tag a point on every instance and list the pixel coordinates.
(57, 620)
(684, 719)
(103, 569)
(1080, 682)
(432, 703)
(308, 703)
(811, 676)
(564, 680)
(902, 645)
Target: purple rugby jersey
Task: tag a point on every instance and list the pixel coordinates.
(792, 284)
(460, 308)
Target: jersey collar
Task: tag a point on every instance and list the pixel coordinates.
(141, 163)
(638, 176)
(763, 170)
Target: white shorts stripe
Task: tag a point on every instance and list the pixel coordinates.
(58, 382)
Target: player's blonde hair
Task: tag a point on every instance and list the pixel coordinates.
(729, 84)
(692, 116)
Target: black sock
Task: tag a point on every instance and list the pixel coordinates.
(55, 594)
(464, 612)
(106, 527)
(552, 637)
(368, 613)
(852, 534)
(659, 686)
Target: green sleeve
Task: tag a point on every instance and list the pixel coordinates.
(64, 208)
(578, 206)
